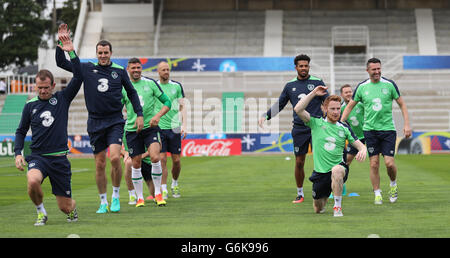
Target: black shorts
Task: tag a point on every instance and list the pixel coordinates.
(322, 183)
(171, 140)
(138, 142)
(57, 168)
(380, 142)
(146, 171)
(352, 150)
(302, 139)
(100, 140)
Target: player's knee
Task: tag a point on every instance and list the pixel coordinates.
(115, 159)
(100, 165)
(33, 184)
(155, 159)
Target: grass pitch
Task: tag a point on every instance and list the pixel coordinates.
(241, 197)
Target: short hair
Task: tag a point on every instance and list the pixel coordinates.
(134, 60)
(373, 60)
(331, 98)
(104, 43)
(44, 74)
(345, 86)
(301, 57)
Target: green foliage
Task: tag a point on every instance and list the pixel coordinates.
(21, 29)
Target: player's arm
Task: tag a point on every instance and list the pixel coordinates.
(167, 105)
(351, 104)
(300, 108)
(183, 113)
(75, 83)
(362, 150)
(21, 132)
(276, 108)
(406, 127)
(60, 57)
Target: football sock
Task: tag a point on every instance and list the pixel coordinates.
(300, 191)
(164, 187)
(103, 199)
(136, 177)
(393, 183)
(115, 193)
(377, 192)
(132, 192)
(40, 208)
(337, 201)
(156, 176)
(174, 183)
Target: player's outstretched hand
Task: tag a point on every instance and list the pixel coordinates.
(361, 155)
(320, 90)
(20, 162)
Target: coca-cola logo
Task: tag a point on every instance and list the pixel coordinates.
(211, 147)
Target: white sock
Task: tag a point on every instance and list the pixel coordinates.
(337, 201)
(103, 199)
(156, 176)
(40, 208)
(174, 183)
(300, 191)
(132, 193)
(393, 183)
(164, 188)
(115, 193)
(377, 192)
(136, 177)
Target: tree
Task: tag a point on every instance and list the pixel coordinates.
(21, 29)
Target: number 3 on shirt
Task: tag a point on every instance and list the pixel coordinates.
(48, 118)
(330, 144)
(103, 86)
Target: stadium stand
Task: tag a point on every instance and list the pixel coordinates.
(200, 32)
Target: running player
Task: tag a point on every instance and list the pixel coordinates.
(172, 130)
(149, 93)
(47, 115)
(328, 139)
(377, 94)
(103, 83)
(293, 91)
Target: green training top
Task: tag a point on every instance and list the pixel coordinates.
(356, 119)
(148, 92)
(174, 91)
(328, 142)
(377, 100)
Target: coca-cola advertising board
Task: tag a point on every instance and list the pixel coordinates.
(205, 147)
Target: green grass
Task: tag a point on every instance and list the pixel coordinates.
(241, 196)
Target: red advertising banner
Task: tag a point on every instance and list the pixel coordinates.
(204, 147)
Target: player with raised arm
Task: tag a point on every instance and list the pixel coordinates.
(103, 83)
(293, 91)
(148, 139)
(377, 94)
(47, 115)
(328, 139)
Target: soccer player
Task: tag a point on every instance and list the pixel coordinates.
(377, 94)
(293, 91)
(149, 93)
(328, 140)
(172, 130)
(47, 115)
(103, 83)
(356, 120)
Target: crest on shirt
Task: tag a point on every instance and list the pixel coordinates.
(385, 91)
(310, 87)
(114, 74)
(53, 101)
(293, 89)
(341, 133)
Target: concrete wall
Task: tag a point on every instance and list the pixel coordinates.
(128, 17)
